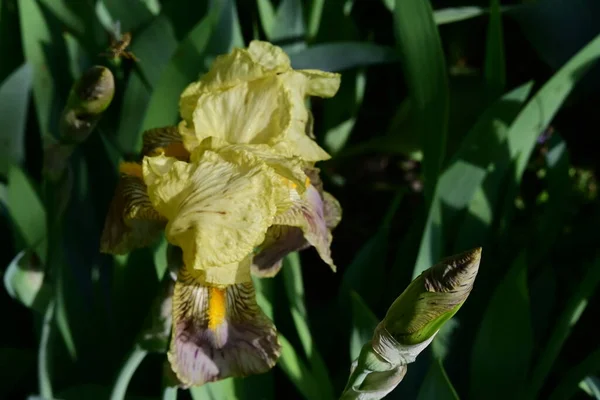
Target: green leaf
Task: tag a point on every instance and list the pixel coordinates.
(366, 273)
(184, 67)
(130, 14)
(27, 212)
(133, 109)
(495, 69)
(460, 184)
(10, 43)
(79, 18)
(14, 99)
(425, 73)
(45, 352)
(294, 286)
(24, 281)
(436, 385)
(567, 386)
(295, 369)
(289, 26)
(340, 56)
(45, 52)
(154, 46)
(315, 18)
(131, 364)
(364, 322)
(563, 326)
(224, 389)
(266, 12)
(503, 346)
(453, 14)
(538, 113)
(593, 385)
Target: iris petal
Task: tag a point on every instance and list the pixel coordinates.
(219, 332)
(131, 221)
(218, 210)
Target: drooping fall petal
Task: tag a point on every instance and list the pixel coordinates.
(219, 332)
(131, 222)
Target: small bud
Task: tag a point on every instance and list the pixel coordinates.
(90, 95)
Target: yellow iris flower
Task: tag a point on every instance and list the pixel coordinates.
(235, 189)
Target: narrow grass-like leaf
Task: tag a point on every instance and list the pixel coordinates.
(453, 14)
(458, 185)
(424, 69)
(45, 52)
(45, 353)
(154, 46)
(340, 56)
(297, 372)
(538, 113)
(224, 389)
(593, 386)
(560, 332)
(502, 351)
(130, 14)
(567, 386)
(436, 385)
(133, 109)
(10, 43)
(294, 286)
(14, 99)
(266, 12)
(314, 19)
(27, 212)
(79, 18)
(289, 26)
(133, 361)
(184, 67)
(363, 325)
(365, 274)
(495, 69)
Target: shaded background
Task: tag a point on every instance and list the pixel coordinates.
(420, 103)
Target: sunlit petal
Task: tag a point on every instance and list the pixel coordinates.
(218, 210)
(219, 332)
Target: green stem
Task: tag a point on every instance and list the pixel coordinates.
(133, 361)
(169, 393)
(44, 353)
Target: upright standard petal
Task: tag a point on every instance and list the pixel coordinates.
(131, 222)
(241, 65)
(218, 211)
(219, 332)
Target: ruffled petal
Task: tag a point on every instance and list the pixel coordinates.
(259, 60)
(218, 211)
(251, 112)
(219, 332)
(131, 222)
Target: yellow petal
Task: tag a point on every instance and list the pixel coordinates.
(131, 221)
(219, 332)
(321, 83)
(259, 60)
(251, 112)
(218, 211)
